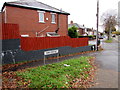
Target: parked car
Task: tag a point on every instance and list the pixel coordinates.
(113, 35)
(101, 37)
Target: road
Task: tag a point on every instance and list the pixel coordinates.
(107, 61)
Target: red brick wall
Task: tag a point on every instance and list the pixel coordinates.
(0, 17)
(3, 15)
(28, 21)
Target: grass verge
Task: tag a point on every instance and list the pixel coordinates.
(108, 41)
(72, 73)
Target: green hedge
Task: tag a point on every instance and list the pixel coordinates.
(90, 36)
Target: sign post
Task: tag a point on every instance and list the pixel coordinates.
(44, 59)
(57, 57)
(51, 52)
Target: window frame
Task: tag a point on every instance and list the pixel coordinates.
(53, 21)
(43, 16)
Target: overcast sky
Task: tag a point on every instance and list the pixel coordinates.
(81, 11)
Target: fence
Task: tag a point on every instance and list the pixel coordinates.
(32, 48)
(37, 43)
(0, 30)
(9, 31)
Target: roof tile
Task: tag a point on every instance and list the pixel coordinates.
(35, 4)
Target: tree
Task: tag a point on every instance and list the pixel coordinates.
(72, 32)
(109, 20)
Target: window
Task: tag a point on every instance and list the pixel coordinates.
(53, 17)
(41, 16)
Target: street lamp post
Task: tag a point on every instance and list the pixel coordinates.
(97, 24)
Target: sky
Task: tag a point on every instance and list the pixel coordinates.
(81, 11)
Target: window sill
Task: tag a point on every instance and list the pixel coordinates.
(53, 22)
(41, 22)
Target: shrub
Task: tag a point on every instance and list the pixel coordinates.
(90, 37)
(72, 32)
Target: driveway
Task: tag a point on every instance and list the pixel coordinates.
(107, 62)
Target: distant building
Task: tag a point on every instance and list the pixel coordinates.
(90, 31)
(81, 28)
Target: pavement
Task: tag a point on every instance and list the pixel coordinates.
(107, 62)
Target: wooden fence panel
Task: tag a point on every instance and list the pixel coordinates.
(9, 31)
(0, 30)
(37, 43)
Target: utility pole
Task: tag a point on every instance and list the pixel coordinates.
(111, 24)
(110, 31)
(97, 15)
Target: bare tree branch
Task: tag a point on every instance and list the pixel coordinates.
(109, 21)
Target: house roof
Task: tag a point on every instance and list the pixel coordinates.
(79, 26)
(76, 25)
(33, 4)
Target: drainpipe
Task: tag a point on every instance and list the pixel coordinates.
(67, 25)
(58, 21)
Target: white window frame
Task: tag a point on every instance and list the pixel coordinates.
(43, 17)
(53, 19)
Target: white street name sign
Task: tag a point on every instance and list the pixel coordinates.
(51, 52)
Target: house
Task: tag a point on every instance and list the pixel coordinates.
(81, 28)
(35, 19)
(94, 32)
(89, 31)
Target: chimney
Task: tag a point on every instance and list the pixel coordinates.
(71, 22)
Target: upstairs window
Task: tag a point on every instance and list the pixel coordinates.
(53, 17)
(41, 16)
